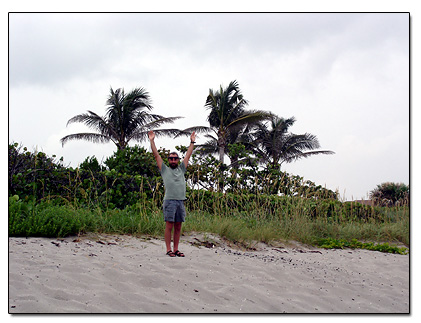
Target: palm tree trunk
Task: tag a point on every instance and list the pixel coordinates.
(221, 154)
(221, 179)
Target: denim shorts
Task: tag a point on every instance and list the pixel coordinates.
(174, 210)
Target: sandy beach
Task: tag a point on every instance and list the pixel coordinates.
(125, 274)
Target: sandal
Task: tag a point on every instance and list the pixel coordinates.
(178, 253)
(170, 253)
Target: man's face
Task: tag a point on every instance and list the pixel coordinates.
(173, 161)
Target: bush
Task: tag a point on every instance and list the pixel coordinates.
(55, 219)
(133, 161)
(131, 175)
(35, 175)
(390, 194)
(45, 219)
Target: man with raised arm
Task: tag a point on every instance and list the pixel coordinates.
(175, 192)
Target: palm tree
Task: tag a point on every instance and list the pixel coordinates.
(274, 145)
(127, 118)
(227, 119)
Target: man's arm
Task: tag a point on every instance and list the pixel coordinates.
(190, 149)
(158, 158)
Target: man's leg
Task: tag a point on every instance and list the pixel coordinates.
(167, 235)
(177, 234)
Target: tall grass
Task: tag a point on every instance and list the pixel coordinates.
(242, 218)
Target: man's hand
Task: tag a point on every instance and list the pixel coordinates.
(193, 137)
(151, 135)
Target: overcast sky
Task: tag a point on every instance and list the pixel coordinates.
(344, 77)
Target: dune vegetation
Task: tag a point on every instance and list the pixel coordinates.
(250, 199)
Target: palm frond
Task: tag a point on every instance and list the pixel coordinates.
(197, 129)
(211, 137)
(138, 98)
(93, 137)
(250, 117)
(160, 121)
(95, 122)
(301, 142)
(208, 148)
(297, 156)
(90, 119)
(142, 135)
(115, 106)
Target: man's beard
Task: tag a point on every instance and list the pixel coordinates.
(173, 166)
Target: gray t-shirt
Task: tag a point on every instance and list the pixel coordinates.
(174, 182)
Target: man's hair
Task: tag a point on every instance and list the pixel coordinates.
(174, 153)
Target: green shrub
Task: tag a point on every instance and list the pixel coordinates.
(390, 194)
(46, 219)
(330, 243)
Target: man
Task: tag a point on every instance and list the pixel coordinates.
(175, 192)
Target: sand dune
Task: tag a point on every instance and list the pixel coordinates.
(124, 274)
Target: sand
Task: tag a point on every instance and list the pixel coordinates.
(125, 274)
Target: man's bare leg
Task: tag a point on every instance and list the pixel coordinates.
(177, 234)
(167, 235)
